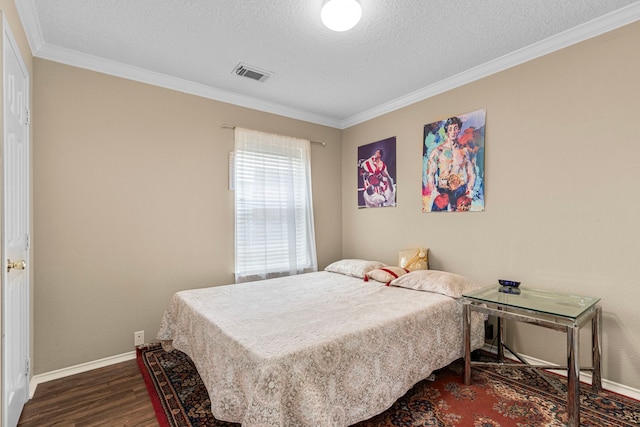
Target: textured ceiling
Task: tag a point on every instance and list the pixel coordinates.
(402, 49)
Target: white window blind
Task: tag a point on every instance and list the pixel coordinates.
(274, 211)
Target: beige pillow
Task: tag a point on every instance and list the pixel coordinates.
(354, 267)
(386, 274)
(414, 259)
(440, 282)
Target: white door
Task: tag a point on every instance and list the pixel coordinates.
(15, 233)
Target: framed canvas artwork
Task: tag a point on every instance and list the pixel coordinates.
(377, 174)
(453, 164)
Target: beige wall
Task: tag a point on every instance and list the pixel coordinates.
(131, 201)
(562, 199)
(10, 15)
(132, 204)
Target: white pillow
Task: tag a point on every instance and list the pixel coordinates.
(440, 282)
(354, 267)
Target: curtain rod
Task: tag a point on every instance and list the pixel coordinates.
(224, 126)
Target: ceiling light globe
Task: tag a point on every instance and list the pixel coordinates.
(341, 15)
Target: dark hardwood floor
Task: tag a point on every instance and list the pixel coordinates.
(111, 396)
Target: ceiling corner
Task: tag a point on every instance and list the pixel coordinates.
(29, 18)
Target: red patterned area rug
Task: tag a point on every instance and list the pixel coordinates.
(497, 397)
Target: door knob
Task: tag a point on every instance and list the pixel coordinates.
(18, 265)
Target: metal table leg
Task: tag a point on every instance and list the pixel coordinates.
(467, 344)
(500, 338)
(573, 371)
(596, 340)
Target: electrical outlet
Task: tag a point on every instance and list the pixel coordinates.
(138, 338)
(488, 331)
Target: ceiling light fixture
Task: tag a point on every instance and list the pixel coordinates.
(341, 15)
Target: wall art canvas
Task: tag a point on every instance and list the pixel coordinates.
(453, 164)
(377, 174)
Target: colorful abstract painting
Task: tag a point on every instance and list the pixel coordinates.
(453, 164)
(377, 174)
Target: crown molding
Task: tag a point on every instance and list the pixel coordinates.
(29, 18)
(118, 69)
(40, 49)
(596, 27)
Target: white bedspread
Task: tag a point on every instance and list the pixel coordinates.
(318, 349)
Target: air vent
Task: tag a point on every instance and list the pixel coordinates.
(251, 72)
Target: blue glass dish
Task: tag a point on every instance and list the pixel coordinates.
(509, 283)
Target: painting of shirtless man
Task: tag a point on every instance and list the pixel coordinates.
(453, 164)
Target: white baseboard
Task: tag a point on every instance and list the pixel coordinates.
(77, 369)
(84, 367)
(585, 377)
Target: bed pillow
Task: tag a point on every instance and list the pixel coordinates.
(354, 267)
(386, 274)
(414, 259)
(441, 282)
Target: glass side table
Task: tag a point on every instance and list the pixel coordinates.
(561, 312)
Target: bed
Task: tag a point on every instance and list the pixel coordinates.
(329, 348)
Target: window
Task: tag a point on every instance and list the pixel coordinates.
(274, 210)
